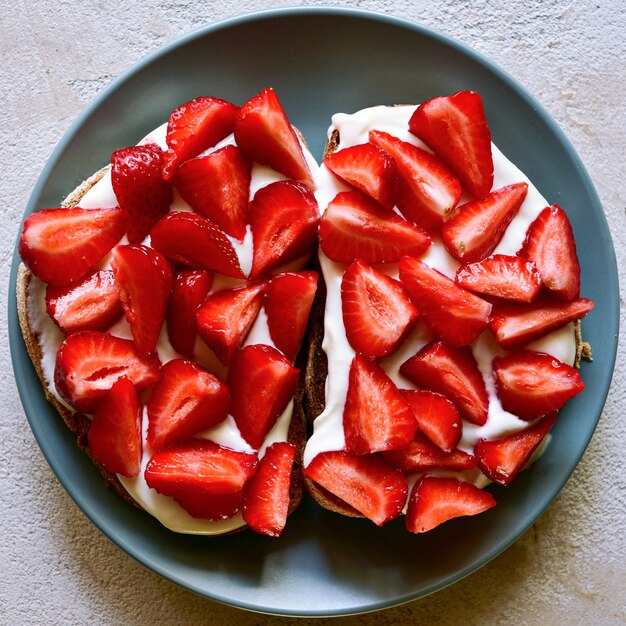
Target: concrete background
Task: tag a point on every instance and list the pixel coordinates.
(57, 567)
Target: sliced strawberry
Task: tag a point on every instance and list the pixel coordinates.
(265, 135)
(59, 246)
(531, 384)
(266, 501)
(429, 191)
(283, 218)
(478, 226)
(550, 245)
(375, 489)
(436, 500)
(376, 416)
(451, 312)
(502, 459)
(140, 189)
(288, 303)
(226, 317)
(456, 129)
(377, 312)
(501, 276)
(195, 126)
(91, 303)
(194, 240)
(88, 363)
(454, 373)
(355, 226)
(218, 186)
(262, 382)
(209, 506)
(145, 280)
(185, 401)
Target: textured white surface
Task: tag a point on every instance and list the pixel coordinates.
(58, 568)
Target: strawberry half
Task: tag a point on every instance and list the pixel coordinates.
(356, 227)
(59, 246)
(376, 416)
(377, 312)
(456, 129)
(375, 489)
(185, 401)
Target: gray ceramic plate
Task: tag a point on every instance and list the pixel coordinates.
(321, 61)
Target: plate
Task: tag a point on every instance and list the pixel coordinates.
(322, 61)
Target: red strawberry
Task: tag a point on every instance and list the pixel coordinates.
(376, 416)
(428, 189)
(266, 501)
(185, 401)
(91, 303)
(456, 129)
(435, 500)
(454, 373)
(451, 312)
(477, 227)
(139, 188)
(114, 436)
(355, 226)
(550, 245)
(502, 459)
(377, 312)
(262, 382)
(287, 304)
(501, 276)
(283, 218)
(226, 317)
(531, 384)
(265, 135)
(145, 280)
(194, 240)
(366, 483)
(59, 246)
(88, 363)
(218, 186)
(195, 126)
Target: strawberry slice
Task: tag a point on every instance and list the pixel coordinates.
(501, 276)
(454, 373)
(478, 226)
(145, 280)
(59, 246)
(186, 400)
(114, 436)
(264, 133)
(88, 363)
(283, 218)
(195, 126)
(376, 416)
(355, 226)
(266, 502)
(196, 241)
(436, 500)
(377, 312)
(502, 459)
(451, 312)
(287, 305)
(139, 188)
(91, 303)
(428, 189)
(531, 384)
(218, 186)
(225, 318)
(262, 382)
(375, 489)
(456, 129)
(550, 245)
